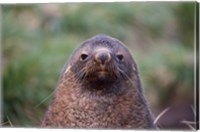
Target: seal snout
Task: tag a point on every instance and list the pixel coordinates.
(102, 57)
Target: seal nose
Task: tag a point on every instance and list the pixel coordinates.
(102, 57)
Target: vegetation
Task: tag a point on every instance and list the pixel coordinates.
(38, 39)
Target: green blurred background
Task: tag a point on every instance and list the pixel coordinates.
(37, 40)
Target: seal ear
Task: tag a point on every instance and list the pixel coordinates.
(67, 69)
(134, 68)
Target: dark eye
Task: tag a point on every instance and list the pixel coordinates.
(120, 57)
(84, 56)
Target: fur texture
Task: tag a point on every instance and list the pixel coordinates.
(91, 94)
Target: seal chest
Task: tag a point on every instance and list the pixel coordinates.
(99, 88)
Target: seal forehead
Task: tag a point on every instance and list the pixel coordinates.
(103, 41)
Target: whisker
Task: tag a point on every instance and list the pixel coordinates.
(81, 74)
(127, 77)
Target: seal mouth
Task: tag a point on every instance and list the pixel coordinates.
(103, 71)
(102, 76)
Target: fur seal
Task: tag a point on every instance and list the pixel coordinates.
(99, 88)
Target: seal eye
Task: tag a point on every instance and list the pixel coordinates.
(83, 56)
(120, 57)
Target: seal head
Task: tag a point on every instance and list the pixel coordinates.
(101, 62)
(99, 88)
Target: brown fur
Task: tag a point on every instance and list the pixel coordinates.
(82, 103)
